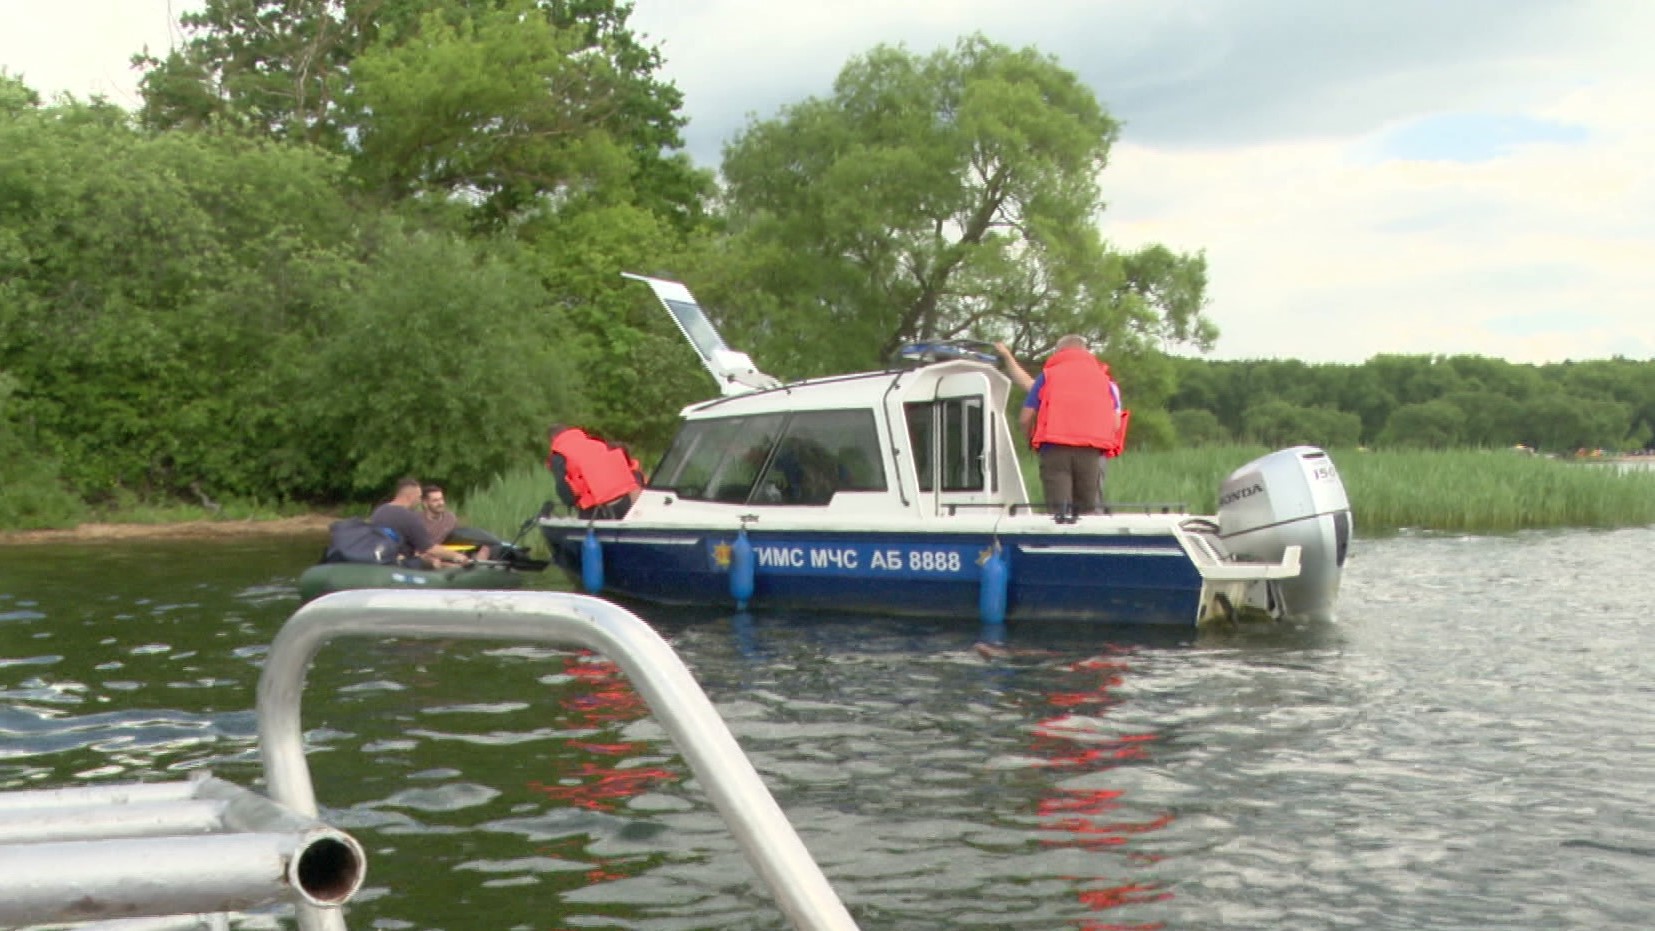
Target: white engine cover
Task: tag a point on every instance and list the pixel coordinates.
(1292, 497)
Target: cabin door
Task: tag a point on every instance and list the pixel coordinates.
(953, 446)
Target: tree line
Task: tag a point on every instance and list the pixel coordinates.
(1417, 401)
(342, 242)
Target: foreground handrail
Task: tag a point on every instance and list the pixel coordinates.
(164, 849)
(656, 672)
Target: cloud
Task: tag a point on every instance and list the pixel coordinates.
(1320, 250)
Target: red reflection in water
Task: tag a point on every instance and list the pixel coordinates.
(606, 700)
(1081, 817)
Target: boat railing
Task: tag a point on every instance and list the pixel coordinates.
(674, 698)
(1114, 507)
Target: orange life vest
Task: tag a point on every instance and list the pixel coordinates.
(1077, 407)
(597, 472)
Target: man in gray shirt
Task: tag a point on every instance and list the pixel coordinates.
(398, 516)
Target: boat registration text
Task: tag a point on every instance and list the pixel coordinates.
(858, 559)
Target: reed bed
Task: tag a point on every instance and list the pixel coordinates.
(1458, 491)
(1454, 491)
(504, 505)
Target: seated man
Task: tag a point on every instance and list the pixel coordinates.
(417, 548)
(440, 521)
(596, 478)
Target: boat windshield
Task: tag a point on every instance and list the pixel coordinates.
(804, 458)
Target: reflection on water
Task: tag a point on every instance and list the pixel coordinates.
(1468, 747)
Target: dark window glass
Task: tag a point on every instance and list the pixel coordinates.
(962, 444)
(717, 460)
(820, 454)
(921, 419)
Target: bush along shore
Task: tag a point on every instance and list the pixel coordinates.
(1454, 491)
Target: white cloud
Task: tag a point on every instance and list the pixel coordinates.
(1321, 251)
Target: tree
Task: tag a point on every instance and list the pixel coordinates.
(1491, 420)
(1196, 427)
(435, 368)
(505, 103)
(939, 197)
(1564, 423)
(142, 271)
(1281, 423)
(1434, 424)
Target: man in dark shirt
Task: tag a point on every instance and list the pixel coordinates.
(398, 516)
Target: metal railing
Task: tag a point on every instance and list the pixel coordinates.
(659, 676)
(163, 849)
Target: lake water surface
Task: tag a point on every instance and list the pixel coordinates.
(1471, 746)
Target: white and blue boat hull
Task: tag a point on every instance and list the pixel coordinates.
(1050, 577)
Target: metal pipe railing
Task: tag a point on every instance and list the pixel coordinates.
(660, 677)
(147, 850)
(213, 922)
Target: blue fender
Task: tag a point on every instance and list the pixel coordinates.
(591, 563)
(743, 568)
(994, 584)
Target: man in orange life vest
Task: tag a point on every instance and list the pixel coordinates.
(596, 478)
(1073, 418)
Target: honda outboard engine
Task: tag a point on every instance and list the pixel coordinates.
(1292, 497)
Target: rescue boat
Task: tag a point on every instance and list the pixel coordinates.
(900, 492)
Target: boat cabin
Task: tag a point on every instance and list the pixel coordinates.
(927, 441)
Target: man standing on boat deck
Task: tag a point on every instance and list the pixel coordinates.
(598, 479)
(1073, 419)
(414, 540)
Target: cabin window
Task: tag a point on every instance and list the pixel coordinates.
(799, 459)
(922, 437)
(717, 460)
(947, 438)
(822, 453)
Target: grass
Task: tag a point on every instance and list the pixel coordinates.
(503, 505)
(1460, 491)
(1457, 491)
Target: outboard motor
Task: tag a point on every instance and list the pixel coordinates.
(1292, 497)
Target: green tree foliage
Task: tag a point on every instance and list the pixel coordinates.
(148, 272)
(938, 196)
(1624, 380)
(1561, 423)
(636, 371)
(1282, 423)
(202, 316)
(1436, 424)
(1491, 420)
(436, 368)
(1196, 426)
(1472, 400)
(32, 493)
(511, 104)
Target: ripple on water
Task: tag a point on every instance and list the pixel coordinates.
(1468, 747)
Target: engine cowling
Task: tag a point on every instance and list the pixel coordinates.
(1291, 497)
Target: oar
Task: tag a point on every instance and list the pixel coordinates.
(515, 558)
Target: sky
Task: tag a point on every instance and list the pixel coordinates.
(1412, 176)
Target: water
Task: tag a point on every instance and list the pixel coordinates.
(1470, 747)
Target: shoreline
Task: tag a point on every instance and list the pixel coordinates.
(181, 530)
